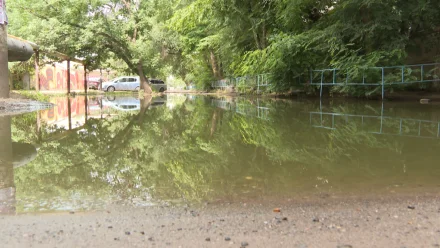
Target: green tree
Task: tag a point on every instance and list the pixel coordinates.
(130, 31)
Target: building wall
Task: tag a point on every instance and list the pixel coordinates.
(54, 77)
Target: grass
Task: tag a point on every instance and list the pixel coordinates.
(34, 95)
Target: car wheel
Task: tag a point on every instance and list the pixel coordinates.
(111, 89)
(137, 89)
(161, 89)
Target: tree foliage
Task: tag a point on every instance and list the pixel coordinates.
(130, 31)
(205, 40)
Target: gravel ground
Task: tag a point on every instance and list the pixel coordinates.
(400, 222)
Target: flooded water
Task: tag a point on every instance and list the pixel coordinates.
(87, 153)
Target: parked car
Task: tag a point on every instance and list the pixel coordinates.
(122, 83)
(158, 85)
(93, 84)
(132, 83)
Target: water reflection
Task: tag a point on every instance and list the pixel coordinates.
(98, 150)
(255, 108)
(378, 124)
(12, 155)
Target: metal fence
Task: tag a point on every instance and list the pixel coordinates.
(377, 76)
(241, 83)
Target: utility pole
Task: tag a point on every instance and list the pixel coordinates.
(4, 73)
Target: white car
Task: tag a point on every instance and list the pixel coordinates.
(128, 103)
(122, 83)
(131, 83)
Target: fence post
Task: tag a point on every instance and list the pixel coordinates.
(403, 74)
(383, 81)
(322, 78)
(381, 118)
(438, 130)
(363, 77)
(258, 84)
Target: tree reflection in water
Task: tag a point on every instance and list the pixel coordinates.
(12, 155)
(193, 149)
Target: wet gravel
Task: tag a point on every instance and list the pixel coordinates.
(344, 224)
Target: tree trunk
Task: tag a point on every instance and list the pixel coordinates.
(69, 112)
(85, 80)
(257, 41)
(214, 64)
(145, 104)
(264, 36)
(144, 80)
(68, 76)
(214, 122)
(123, 136)
(37, 70)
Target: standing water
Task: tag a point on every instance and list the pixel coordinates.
(85, 154)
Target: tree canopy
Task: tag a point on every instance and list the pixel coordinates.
(205, 40)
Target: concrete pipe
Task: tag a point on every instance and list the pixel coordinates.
(19, 50)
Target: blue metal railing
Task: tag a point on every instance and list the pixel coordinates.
(377, 76)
